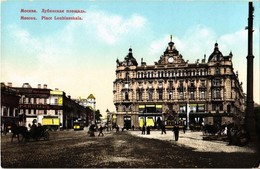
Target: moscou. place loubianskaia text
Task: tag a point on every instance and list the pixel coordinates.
(52, 18)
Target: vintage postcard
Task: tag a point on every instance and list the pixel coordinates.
(135, 84)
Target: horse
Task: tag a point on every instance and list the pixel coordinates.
(17, 130)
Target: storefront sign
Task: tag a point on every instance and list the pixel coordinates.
(34, 106)
(56, 92)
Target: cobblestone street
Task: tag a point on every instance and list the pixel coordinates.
(74, 149)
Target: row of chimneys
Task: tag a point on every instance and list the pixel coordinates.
(9, 84)
(44, 86)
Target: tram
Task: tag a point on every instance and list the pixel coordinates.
(79, 124)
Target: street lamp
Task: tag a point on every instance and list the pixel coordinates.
(108, 117)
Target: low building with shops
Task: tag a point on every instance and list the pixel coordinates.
(9, 107)
(173, 89)
(48, 107)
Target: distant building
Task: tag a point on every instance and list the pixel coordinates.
(91, 101)
(89, 104)
(174, 89)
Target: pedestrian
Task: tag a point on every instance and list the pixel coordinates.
(100, 131)
(133, 127)
(92, 130)
(148, 130)
(176, 132)
(5, 128)
(33, 128)
(143, 129)
(163, 129)
(230, 132)
(184, 129)
(117, 129)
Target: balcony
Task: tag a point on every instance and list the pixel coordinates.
(217, 99)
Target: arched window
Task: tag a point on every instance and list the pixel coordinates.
(192, 96)
(139, 95)
(229, 108)
(126, 96)
(202, 95)
(217, 94)
(217, 71)
(170, 96)
(160, 94)
(150, 95)
(181, 96)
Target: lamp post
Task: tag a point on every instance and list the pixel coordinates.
(108, 117)
(188, 115)
(250, 118)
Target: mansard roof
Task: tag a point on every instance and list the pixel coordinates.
(129, 60)
(218, 56)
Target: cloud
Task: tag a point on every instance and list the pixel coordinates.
(197, 41)
(67, 59)
(112, 28)
(109, 28)
(23, 37)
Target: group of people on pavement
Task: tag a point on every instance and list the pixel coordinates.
(163, 130)
(147, 129)
(93, 128)
(144, 129)
(236, 135)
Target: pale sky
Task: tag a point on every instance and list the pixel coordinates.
(79, 57)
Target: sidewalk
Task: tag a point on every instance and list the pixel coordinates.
(194, 140)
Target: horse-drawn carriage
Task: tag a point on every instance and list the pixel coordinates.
(40, 132)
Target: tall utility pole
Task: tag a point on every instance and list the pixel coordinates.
(250, 118)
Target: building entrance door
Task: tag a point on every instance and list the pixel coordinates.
(127, 122)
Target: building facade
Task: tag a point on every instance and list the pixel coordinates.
(89, 104)
(48, 107)
(9, 107)
(174, 89)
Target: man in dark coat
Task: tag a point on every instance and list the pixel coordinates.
(148, 129)
(163, 129)
(143, 129)
(92, 130)
(100, 131)
(176, 132)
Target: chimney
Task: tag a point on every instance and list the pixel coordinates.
(39, 86)
(45, 86)
(10, 84)
(56, 89)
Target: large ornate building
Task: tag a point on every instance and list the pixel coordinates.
(173, 89)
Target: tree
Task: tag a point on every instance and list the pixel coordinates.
(98, 115)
